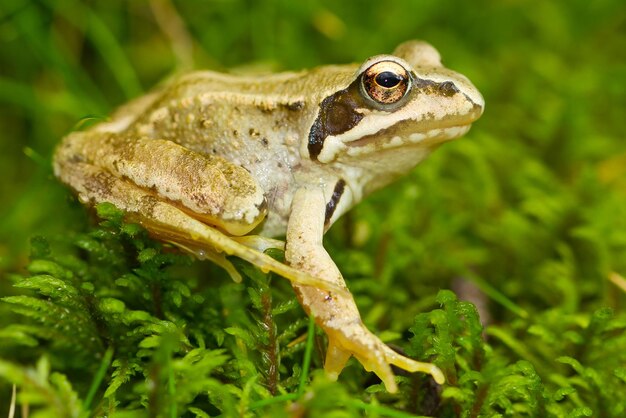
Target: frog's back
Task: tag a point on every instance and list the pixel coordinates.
(257, 123)
(282, 87)
(215, 113)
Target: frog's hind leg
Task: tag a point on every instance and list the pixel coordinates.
(208, 187)
(169, 223)
(255, 242)
(260, 243)
(203, 253)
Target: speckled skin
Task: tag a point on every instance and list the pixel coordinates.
(209, 159)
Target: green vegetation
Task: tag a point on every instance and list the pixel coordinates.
(526, 217)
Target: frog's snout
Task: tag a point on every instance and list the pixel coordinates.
(472, 95)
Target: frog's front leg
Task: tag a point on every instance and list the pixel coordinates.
(336, 313)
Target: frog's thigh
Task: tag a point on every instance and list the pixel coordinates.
(210, 188)
(169, 223)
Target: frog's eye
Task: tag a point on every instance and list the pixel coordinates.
(385, 82)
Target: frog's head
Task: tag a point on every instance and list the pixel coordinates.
(393, 105)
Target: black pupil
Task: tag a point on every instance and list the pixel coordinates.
(388, 79)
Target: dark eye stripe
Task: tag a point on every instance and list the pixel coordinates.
(337, 114)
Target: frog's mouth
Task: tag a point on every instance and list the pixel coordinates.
(429, 131)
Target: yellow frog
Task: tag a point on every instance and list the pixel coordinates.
(221, 164)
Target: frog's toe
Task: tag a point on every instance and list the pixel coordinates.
(365, 347)
(207, 253)
(336, 359)
(379, 360)
(376, 362)
(370, 355)
(411, 365)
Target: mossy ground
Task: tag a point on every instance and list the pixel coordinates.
(527, 213)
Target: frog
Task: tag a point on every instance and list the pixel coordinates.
(225, 165)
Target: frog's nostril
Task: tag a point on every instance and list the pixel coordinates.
(448, 88)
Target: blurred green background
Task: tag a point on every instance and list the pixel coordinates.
(530, 205)
(552, 73)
